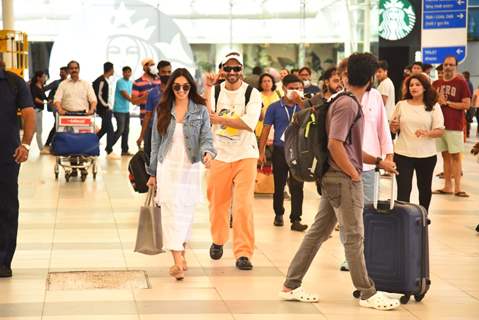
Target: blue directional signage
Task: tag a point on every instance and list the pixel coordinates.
(444, 30)
(437, 55)
(440, 14)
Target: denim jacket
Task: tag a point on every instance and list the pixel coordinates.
(197, 132)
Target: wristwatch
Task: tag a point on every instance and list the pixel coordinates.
(378, 160)
(26, 146)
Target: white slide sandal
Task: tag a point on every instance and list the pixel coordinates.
(300, 295)
(380, 301)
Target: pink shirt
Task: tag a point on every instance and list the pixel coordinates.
(377, 137)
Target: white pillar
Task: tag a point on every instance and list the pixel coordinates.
(7, 15)
(367, 26)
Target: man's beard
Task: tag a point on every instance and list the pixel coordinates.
(234, 78)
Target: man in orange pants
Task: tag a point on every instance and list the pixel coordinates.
(235, 109)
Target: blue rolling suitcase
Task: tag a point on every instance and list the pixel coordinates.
(396, 246)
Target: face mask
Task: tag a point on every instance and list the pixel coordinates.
(289, 94)
(307, 83)
(153, 69)
(164, 79)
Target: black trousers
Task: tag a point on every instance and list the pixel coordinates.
(147, 144)
(8, 211)
(106, 128)
(424, 168)
(52, 131)
(281, 174)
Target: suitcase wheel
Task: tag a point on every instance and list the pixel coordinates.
(405, 299)
(418, 297)
(356, 294)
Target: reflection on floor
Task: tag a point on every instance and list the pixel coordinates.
(92, 225)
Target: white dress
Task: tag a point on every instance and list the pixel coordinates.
(178, 192)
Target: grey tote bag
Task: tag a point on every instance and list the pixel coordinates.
(149, 236)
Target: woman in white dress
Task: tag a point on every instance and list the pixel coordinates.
(181, 138)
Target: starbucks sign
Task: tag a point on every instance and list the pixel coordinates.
(396, 19)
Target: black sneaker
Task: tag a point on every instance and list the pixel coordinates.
(278, 221)
(216, 251)
(297, 226)
(243, 263)
(5, 272)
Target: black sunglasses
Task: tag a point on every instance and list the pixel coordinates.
(235, 69)
(177, 87)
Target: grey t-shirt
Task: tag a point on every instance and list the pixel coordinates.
(340, 118)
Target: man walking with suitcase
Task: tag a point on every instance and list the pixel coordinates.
(342, 191)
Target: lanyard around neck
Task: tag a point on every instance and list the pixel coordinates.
(290, 117)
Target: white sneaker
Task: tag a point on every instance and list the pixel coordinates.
(344, 266)
(380, 301)
(298, 294)
(113, 156)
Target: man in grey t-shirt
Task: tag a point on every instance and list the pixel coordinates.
(343, 197)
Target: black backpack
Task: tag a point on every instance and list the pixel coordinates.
(137, 172)
(306, 140)
(247, 94)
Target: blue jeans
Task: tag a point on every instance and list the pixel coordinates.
(368, 185)
(122, 129)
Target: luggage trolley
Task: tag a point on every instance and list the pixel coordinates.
(75, 145)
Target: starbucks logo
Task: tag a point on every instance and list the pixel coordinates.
(396, 19)
(122, 32)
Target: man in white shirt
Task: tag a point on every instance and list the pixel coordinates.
(75, 95)
(235, 108)
(386, 88)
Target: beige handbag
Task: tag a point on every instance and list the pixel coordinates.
(264, 183)
(149, 236)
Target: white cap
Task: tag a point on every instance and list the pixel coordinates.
(147, 60)
(233, 56)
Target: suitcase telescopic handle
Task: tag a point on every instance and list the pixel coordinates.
(377, 178)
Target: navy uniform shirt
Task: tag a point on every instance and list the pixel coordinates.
(9, 126)
(279, 115)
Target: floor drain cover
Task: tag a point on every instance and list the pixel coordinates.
(81, 280)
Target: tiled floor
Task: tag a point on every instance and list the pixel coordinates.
(92, 226)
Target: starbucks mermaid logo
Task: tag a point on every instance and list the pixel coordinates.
(396, 19)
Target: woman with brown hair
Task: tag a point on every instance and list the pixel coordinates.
(418, 119)
(181, 140)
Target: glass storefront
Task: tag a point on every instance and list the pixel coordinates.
(196, 33)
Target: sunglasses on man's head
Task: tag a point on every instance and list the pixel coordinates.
(177, 87)
(235, 69)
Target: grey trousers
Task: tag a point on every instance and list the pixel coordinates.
(342, 202)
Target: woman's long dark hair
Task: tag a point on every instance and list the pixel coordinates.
(430, 94)
(166, 102)
(38, 75)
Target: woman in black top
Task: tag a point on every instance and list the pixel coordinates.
(39, 99)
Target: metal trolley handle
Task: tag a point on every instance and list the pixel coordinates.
(377, 180)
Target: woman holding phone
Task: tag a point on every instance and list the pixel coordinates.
(181, 138)
(418, 119)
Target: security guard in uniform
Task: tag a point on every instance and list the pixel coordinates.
(14, 95)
